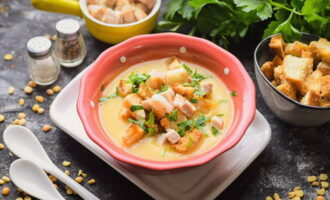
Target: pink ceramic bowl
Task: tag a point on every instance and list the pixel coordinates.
(156, 46)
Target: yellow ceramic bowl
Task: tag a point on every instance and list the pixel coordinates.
(109, 33)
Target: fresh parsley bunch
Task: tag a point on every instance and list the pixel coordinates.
(225, 20)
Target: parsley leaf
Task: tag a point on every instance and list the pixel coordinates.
(140, 124)
(262, 7)
(164, 88)
(173, 116)
(194, 101)
(215, 131)
(134, 108)
(233, 93)
(196, 78)
(136, 79)
(151, 120)
(104, 99)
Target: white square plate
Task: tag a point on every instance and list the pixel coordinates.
(204, 182)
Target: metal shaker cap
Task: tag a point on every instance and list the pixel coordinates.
(67, 27)
(39, 46)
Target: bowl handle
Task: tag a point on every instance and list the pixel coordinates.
(71, 7)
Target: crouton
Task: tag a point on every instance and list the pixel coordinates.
(110, 3)
(324, 68)
(325, 102)
(307, 54)
(325, 86)
(121, 3)
(168, 94)
(268, 69)
(131, 99)
(296, 69)
(187, 92)
(295, 49)
(279, 75)
(288, 89)
(125, 113)
(217, 122)
(145, 91)
(277, 61)
(203, 105)
(313, 81)
(276, 45)
(312, 98)
(146, 104)
(112, 17)
(133, 135)
(128, 14)
(179, 75)
(142, 7)
(148, 3)
(173, 63)
(139, 114)
(155, 83)
(189, 141)
(124, 88)
(274, 83)
(140, 14)
(96, 11)
(322, 49)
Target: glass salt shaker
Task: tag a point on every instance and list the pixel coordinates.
(42, 65)
(69, 46)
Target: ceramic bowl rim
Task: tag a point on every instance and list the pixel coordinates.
(272, 86)
(238, 130)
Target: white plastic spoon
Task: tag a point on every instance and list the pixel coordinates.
(24, 144)
(33, 180)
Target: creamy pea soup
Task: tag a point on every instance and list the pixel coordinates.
(166, 109)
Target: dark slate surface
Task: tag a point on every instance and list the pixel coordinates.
(292, 154)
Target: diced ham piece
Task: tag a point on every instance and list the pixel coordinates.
(206, 87)
(161, 139)
(160, 105)
(146, 104)
(217, 122)
(184, 105)
(173, 63)
(139, 114)
(172, 136)
(168, 94)
(133, 135)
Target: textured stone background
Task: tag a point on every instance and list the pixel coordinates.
(292, 154)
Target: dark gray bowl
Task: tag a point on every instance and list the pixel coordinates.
(288, 110)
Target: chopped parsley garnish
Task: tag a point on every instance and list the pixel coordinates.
(196, 78)
(152, 128)
(136, 79)
(220, 115)
(191, 140)
(233, 93)
(194, 101)
(223, 101)
(173, 116)
(164, 88)
(104, 99)
(189, 125)
(215, 131)
(102, 87)
(134, 108)
(139, 123)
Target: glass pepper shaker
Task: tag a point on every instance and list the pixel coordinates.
(69, 46)
(42, 65)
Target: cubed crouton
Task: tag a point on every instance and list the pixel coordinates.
(128, 14)
(274, 83)
(110, 3)
(140, 14)
(125, 113)
(131, 99)
(325, 102)
(203, 104)
(96, 11)
(295, 49)
(312, 98)
(277, 61)
(146, 104)
(324, 68)
(179, 75)
(189, 141)
(296, 69)
(313, 81)
(142, 7)
(268, 69)
(133, 135)
(173, 63)
(322, 49)
(121, 3)
(145, 91)
(155, 83)
(307, 54)
(168, 94)
(288, 89)
(325, 86)
(276, 45)
(112, 17)
(187, 92)
(160, 105)
(148, 3)
(279, 75)
(124, 88)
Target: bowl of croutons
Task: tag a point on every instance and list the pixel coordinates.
(294, 78)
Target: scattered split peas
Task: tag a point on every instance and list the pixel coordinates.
(21, 102)
(28, 90)
(2, 118)
(39, 99)
(32, 84)
(66, 163)
(5, 191)
(46, 128)
(50, 92)
(11, 90)
(57, 88)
